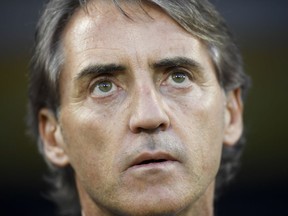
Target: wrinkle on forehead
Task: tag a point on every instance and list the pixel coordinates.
(104, 17)
(132, 10)
(105, 35)
(107, 11)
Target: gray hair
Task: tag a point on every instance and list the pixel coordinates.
(198, 17)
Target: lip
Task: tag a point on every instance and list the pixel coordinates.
(148, 159)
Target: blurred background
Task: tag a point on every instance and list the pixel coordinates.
(261, 188)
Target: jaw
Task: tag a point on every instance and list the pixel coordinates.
(144, 204)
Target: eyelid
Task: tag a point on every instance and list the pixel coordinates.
(99, 79)
(180, 69)
(169, 82)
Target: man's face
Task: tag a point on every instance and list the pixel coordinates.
(142, 117)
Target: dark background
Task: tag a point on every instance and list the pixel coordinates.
(261, 188)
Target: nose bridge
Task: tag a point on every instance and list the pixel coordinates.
(147, 99)
(148, 109)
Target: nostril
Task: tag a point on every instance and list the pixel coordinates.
(152, 128)
(163, 126)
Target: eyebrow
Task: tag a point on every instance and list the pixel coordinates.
(97, 69)
(177, 61)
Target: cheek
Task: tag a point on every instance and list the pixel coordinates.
(89, 142)
(201, 117)
(200, 125)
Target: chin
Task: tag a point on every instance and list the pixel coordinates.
(157, 204)
(156, 209)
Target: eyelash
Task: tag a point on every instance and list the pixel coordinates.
(173, 70)
(99, 79)
(167, 74)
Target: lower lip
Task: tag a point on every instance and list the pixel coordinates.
(165, 165)
(152, 173)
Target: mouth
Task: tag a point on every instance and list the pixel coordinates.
(152, 160)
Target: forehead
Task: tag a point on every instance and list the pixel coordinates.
(103, 33)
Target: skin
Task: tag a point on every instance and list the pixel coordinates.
(164, 103)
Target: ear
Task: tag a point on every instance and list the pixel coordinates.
(233, 117)
(51, 136)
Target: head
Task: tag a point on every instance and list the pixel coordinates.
(136, 105)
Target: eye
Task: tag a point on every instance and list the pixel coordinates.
(103, 88)
(179, 79)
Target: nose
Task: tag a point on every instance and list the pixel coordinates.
(148, 112)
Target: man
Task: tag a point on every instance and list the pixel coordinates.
(134, 103)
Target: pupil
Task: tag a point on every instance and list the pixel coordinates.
(105, 86)
(179, 77)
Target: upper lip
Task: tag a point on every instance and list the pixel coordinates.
(150, 156)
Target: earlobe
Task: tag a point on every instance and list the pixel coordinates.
(51, 136)
(233, 117)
